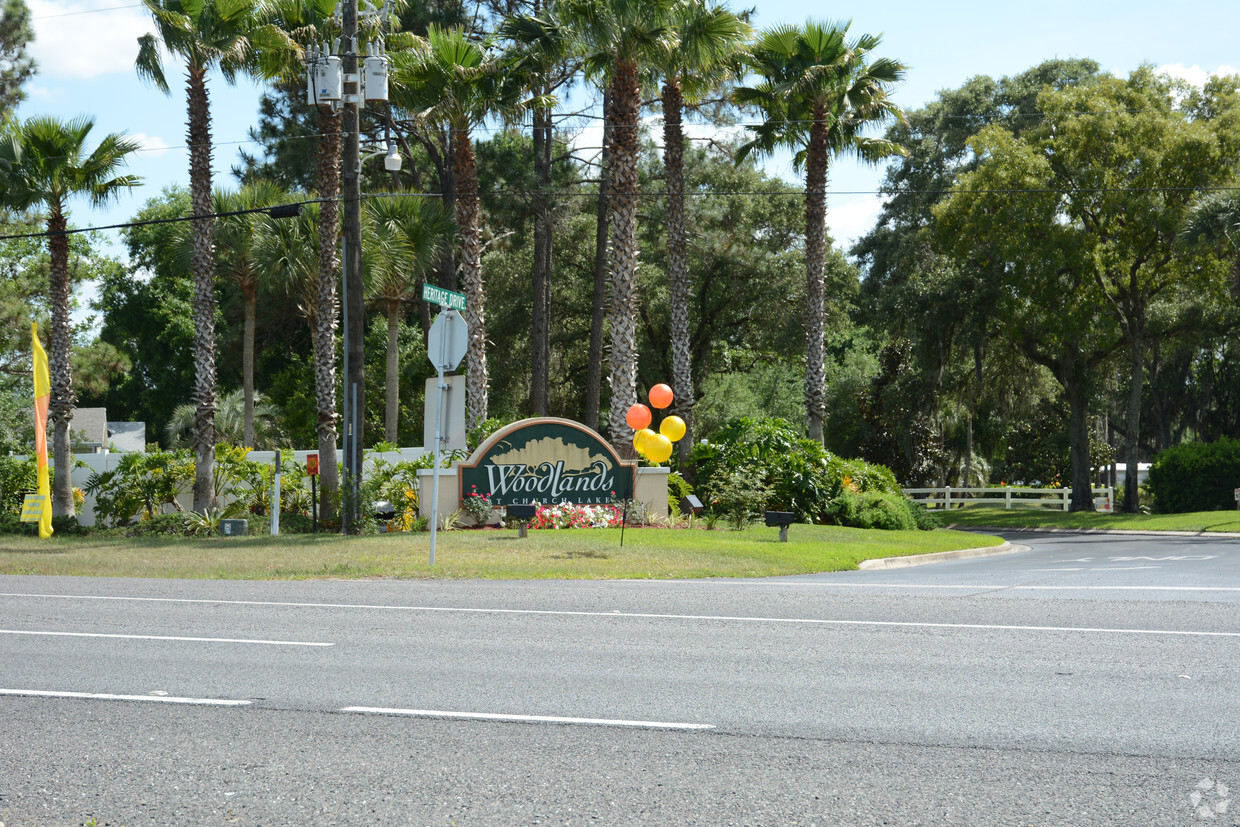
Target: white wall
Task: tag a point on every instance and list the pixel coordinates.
(99, 463)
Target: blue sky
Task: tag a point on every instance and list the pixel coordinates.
(86, 49)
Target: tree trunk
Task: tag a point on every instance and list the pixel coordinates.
(323, 325)
(60, 405)
(598, 306)
(204, 289)
(623, 309)
(249, 298)
(391, 413)
(1132, 421)
(679, 288)
(1078, 436)
(540, 334)
(815, 258)
(476, 379)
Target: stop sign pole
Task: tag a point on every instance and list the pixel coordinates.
(445, 346)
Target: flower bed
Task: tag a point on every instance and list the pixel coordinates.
(567, 515)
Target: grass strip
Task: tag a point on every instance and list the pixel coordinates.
(493, 554)
(989, 516)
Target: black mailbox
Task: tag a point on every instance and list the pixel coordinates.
(690, 505)
(783, 519)
(523, 513)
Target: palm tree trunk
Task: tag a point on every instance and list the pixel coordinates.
(60, 407)
(391, 411)
(678, 285)
(598, 313)
(471, 278)
(204, 289)
(249, 298)
(323, 332)
(623, 311)
(815, 261)
(540, 322)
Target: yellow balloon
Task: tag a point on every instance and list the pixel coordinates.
(673, 427)
(639, 439)
(658, 448)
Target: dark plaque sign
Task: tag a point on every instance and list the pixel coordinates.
(547, 461)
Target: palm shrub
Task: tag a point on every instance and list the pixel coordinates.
(141, 484)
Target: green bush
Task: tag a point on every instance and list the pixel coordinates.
(797, 474)
(873, 509)
(677, 489)
(1196, 477)
(160, 525)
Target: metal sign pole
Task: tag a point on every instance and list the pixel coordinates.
(439, 369)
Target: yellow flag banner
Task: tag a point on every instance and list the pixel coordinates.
(42, 398)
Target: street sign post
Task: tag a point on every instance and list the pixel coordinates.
(446, 344)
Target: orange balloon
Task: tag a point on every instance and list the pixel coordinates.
(658, 448)
(660, 396)
(638, 417)
(640, 438)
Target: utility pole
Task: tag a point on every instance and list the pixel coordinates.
(339, 81)
(355, 320)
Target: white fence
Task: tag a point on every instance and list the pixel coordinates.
(1057, 499)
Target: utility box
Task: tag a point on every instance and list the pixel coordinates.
(234, 528)
(375, 78)
(326, 81)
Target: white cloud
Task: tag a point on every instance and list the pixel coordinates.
(86, 38)
(152, 145)
(1195, 74)
(44, 93)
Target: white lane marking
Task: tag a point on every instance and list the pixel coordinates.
(544, 719)
(655, 616)
(99, 696)
(164, 637)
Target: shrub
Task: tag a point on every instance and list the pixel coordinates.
(873, 509)
(677, 489)
(739, 498)
(140, 483)
(1196, 476)
(160, 525)
(797, 473)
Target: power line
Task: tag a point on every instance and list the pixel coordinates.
(566, 194)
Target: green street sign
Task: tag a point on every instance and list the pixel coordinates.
(445, 298)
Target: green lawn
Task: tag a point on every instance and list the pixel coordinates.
(489, 554)
(991, 517)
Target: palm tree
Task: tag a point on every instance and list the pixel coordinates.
(819, 93)
(235, 237)
(1215, 219)
(618, 39)
(235, 37)
(45, 162)
(449, 78)
(542, 52)
(404, 237)
(287, 248)
(710, 40)
(230, 422)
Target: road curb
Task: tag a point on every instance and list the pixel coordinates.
(938, 557)
(1225, 535)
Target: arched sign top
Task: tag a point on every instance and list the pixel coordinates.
(547, 460)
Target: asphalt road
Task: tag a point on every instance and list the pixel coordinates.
(1081, 680)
